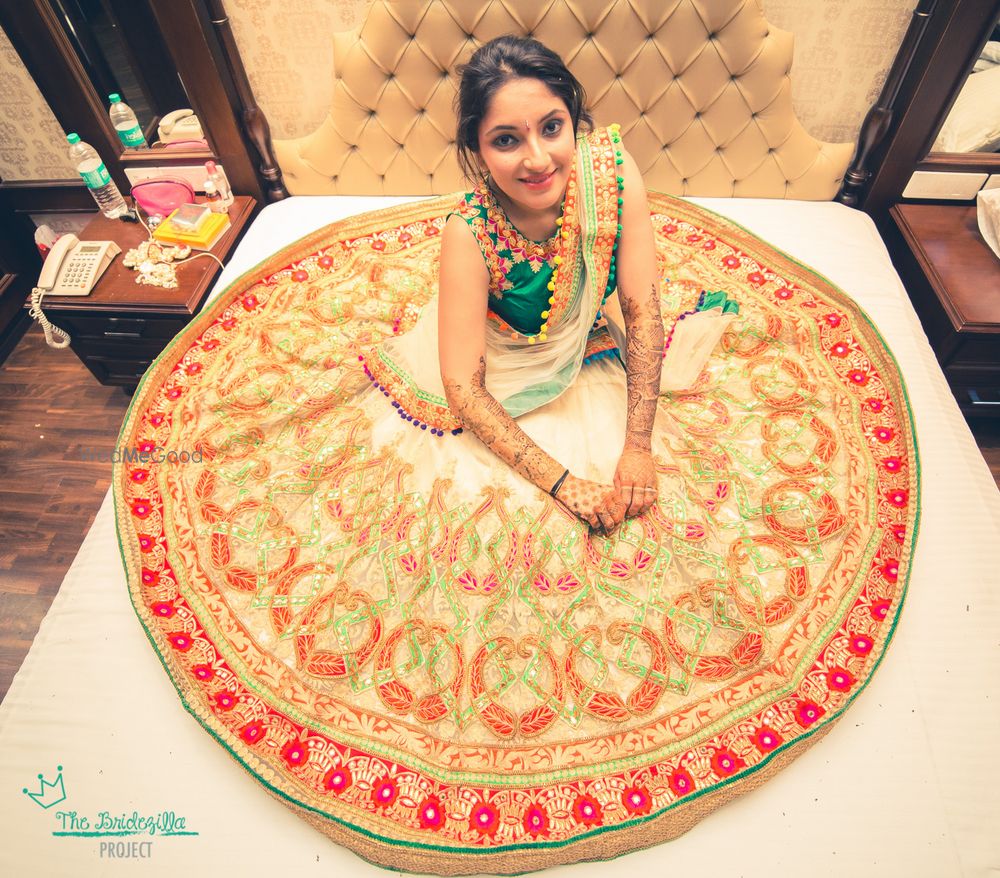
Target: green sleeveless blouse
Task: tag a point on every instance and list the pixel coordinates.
(520, 269)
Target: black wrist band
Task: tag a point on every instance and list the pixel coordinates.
(558, 483)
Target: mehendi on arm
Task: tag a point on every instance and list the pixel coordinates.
(639, 294)
(482, 414)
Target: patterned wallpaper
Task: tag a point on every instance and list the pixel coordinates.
(32, 145)
(843, 50)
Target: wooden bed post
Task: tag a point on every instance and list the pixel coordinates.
(880, 117)
(254, 120)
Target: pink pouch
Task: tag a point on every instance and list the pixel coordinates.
(158, 196)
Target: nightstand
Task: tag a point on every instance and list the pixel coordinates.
(122, 326)
(953, 279)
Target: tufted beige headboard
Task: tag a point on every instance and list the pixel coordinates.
(700, 87)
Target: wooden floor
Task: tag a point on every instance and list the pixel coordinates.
(51, 407)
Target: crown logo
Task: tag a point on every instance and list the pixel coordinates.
(50, 792)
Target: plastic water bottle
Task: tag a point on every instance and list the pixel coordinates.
(126, 124)
(89, 166)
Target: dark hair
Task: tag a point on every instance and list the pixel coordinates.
(494, 64)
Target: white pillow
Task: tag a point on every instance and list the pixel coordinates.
(973, 125)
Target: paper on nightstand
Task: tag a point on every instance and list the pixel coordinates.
(988, 212)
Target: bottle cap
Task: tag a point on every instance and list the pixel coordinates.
(210, 167)
(73, 138)
(115, 98)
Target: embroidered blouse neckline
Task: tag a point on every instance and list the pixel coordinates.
(506, 230)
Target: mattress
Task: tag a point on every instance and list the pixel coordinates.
(93, 739)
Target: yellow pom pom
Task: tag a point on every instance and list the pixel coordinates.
(559, 221)
(545, 314)
(544, 327)
(531, 339)
(558, 260)
(552, 300)
(551, 286)
(543, 336)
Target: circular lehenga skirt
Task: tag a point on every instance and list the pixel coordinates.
(429, 659)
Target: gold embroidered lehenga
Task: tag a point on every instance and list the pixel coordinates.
(428, 658)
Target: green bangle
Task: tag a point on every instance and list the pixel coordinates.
(558, 483)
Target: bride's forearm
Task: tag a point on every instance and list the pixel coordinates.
(643, 362)
(483, 415)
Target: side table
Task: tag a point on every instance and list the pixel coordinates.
(953, 279)
(122, 326)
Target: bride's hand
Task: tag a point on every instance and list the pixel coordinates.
(598, 505)
(635, 481)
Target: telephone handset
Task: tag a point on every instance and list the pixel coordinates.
(71, 269)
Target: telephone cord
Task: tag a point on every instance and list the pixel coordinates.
(49, 329)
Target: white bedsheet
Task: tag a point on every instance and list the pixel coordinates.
(908, 783)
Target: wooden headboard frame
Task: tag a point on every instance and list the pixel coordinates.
(701, 89)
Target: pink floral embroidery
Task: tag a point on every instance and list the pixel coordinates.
(180, 641)
(294, 752)
(203, 672)
(636, 800)
(766, 739)
(336, 780)
(681, 783)
(879, 610)
(808, 712)
(224, 701)
(860, 644)
(253, 732)
(587, 810)
(839, 679)
(430, 813)
(484, 819)
(385, 792)
(725, 763)
(536, 821)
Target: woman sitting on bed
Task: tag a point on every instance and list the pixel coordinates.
(504, 306)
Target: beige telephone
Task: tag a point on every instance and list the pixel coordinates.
(179, 125)
(71, 269)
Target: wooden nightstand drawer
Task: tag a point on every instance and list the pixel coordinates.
(106, 327)
(976, 350)
(119, 348)
(112, 370)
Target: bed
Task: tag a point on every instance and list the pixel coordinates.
(906, 783)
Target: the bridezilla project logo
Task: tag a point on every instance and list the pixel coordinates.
(112, 828)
